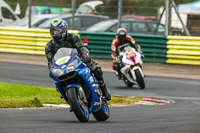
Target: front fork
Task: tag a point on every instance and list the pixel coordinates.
(133, 71)
(81, 93)
(61, 90)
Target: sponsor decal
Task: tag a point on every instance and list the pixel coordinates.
(97, 103)
(91, 79)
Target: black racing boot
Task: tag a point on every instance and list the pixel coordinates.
(105, 91)
(119, 75)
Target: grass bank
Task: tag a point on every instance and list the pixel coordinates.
(19, 96)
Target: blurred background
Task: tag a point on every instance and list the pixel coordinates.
(135, 15)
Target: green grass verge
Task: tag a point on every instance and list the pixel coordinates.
(19, 96)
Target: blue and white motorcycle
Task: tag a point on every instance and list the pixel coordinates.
(78, 86)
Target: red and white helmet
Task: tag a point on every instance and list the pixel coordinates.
(121, 34)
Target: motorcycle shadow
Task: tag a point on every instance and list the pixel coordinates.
(127, 88)
(74, 121)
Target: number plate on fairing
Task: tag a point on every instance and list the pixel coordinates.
(62, 60)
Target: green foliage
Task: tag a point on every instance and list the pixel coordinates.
(20, 96)
(24, 4)
(110, 7)
(36, 102)
(16, 95)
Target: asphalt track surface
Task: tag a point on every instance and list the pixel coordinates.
(180, 116)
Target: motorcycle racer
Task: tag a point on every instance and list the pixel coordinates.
(61, 38)
(121, 41)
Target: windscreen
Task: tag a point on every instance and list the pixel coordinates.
(128, 49)
(62, 52)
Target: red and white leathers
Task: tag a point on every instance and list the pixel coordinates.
(116, 44)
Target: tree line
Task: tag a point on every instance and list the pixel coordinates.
(109, 8)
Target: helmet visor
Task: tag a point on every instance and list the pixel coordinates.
(122, 38)
(55, 31)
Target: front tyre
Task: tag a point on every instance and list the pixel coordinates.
(103, 114)
(139, 79)
(78, 106)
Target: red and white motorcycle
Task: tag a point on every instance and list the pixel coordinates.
(131, 67)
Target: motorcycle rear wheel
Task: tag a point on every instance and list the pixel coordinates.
(80, 109)
(103, 114)
(139, 79)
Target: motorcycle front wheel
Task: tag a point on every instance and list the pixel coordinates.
(103, 114)
(139, 79)
(77, 105)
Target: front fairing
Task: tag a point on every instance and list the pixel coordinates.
(64, 61)
(130, 56)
